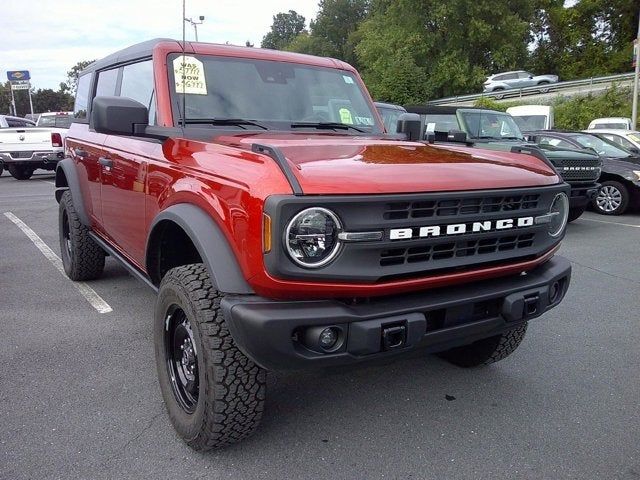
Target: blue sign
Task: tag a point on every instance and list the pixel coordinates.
(17, 75)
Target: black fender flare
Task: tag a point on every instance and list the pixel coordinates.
(210, 242)
(67, 179)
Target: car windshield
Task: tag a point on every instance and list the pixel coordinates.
(601, 146)
(490, 125)
(615, 126)
(441, 122)
(529, 123)
(58, 121)
(272, 94)
(390, 118)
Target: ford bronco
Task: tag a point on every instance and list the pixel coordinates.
(258, 193)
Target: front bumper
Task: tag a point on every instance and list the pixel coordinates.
(273, 333)
(581, 195)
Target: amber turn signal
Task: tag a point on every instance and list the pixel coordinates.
(266, 233)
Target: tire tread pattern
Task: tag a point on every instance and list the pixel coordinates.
(235, 386)
(87, 258)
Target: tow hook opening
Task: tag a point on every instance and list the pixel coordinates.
(394, 336)
(531, 305)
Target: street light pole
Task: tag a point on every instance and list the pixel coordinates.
(195, 24)
(634, 110)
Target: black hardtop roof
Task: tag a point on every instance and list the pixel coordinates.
(389, 105)
(139, 50)
(442, 109)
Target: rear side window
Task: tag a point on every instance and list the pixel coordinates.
(82, 97)
(137, 83)
(107, 81)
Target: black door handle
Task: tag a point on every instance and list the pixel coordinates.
(79, 152)
(105, 162)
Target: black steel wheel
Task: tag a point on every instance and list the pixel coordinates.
(214, 394)
(82, 258)
(181, 358)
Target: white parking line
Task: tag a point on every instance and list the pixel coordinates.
(613, 223)
(50, 183)
(87, 292)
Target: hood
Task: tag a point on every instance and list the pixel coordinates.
(340, 164)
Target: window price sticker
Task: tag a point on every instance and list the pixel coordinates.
(189, 76)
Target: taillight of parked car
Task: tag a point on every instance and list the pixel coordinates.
(56, 140)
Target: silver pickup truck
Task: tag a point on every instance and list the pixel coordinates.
(25, 147)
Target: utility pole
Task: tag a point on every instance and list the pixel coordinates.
(634, 110)
(195, 24)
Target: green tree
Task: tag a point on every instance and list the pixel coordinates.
(48, 100)
(72, 76)
(335, 24)
(448, 47)
(285, 27)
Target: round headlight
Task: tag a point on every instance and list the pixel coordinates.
(559, 212)
(311, 237)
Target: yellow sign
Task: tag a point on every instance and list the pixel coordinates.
(189, 76)
(345, 116)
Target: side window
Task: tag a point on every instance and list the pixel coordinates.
(82, 97)
(510, 76)
(137, 83)
(556, 142)
(523, 75)
(107, 81)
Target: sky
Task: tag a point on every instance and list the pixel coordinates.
(48, 37)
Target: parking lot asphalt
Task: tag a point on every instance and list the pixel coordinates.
(79, 397)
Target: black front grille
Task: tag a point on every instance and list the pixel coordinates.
(460, 206)
(579, 170)
(459, 248)
(21, 154)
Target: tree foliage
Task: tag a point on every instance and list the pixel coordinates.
(72, 77)
(285, 27)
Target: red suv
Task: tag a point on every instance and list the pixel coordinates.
(258, 193)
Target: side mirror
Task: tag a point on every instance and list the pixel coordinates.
(410, 125)
(457, 136)
(118, 116)
(530, 77)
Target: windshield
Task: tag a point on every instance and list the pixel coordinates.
(615, 126)
(529, 123)
(390, 118)
(601, 146)
(58, 121)
(274, 94)
(490, 125)
(442, 122)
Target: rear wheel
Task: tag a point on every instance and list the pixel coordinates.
(612, 198)
(544, 88)
(499, 95)
(575, 213)
(213, 393)
(82, 258)
(20, 172)
(486, 351)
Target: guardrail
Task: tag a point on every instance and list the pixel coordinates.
(523, 92)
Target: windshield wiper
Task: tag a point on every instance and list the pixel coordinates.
(326, 125)
(235, 122)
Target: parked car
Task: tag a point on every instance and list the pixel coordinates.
(532, 117)
(620, 177)
(60, 120)
(627, 139)
(282, 228)
(389, 113)
(25, 147)
(495, 130)
(517, 79)
(621, 123)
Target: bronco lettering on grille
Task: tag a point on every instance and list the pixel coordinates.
(459, 228)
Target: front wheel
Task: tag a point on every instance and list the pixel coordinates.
(486, 351)
(213, 393)
(612, 198)
(575, 213)
(20, 172)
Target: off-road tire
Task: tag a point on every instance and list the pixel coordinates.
(20, 173)
(575, 213)
(82, 258)
(486, 351)
(624, 198)
(231, 388)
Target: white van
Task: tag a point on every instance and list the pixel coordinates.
(532, 117)
(619, 123)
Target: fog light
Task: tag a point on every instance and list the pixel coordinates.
(328, 338)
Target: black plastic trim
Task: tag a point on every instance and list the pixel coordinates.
(265, 330)
(211, 243)
(67, 168)
(280, 159)
(132, 269)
